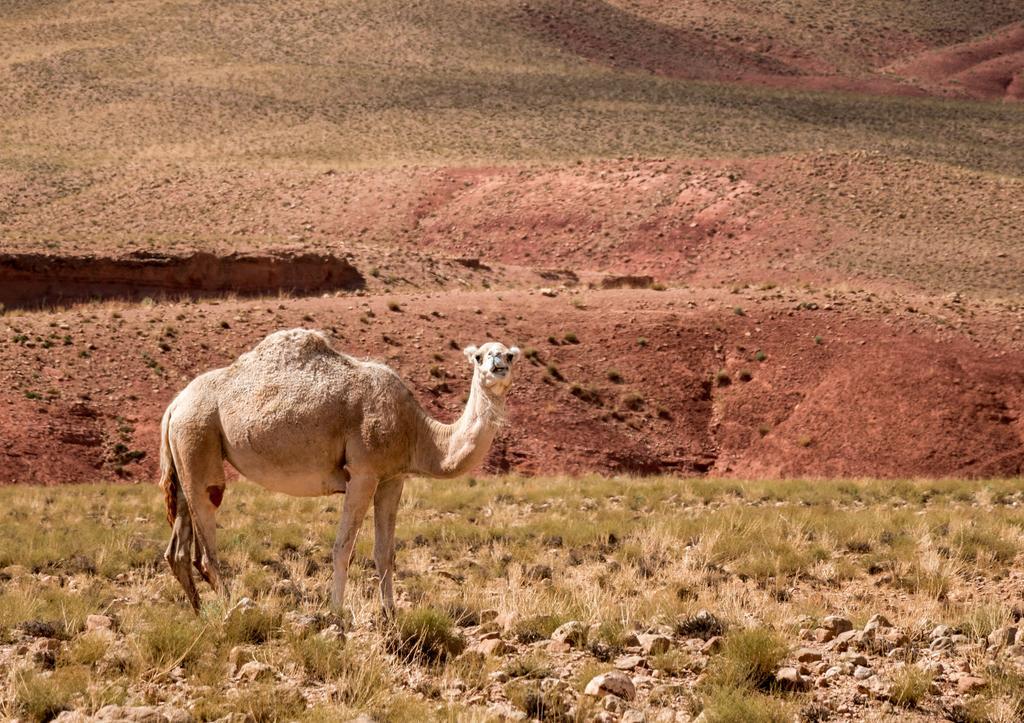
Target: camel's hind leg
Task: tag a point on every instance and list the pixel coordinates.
(200, 470)
(179, 550)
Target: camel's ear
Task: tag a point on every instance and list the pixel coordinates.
(514, 351)
(470, 352)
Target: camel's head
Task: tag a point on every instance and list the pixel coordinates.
(492, 364)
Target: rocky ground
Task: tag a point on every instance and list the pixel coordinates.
(664, 599)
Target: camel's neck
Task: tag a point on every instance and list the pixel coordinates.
(451, 450)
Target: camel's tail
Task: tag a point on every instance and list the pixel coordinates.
(168, 474)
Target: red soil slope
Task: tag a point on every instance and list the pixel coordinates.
(989, 67)
(841, 386)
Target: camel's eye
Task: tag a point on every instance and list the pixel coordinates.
(479, 358)
(508, 358)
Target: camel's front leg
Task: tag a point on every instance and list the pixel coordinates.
(357, 500)
(385, 512)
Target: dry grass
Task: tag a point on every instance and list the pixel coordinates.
(637, 554)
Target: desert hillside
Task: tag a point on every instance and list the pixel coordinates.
(815, 210)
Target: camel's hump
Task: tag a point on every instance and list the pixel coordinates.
(296, 345)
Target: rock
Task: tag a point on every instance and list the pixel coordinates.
(843, 640)
(855, 659)
(940, 631)
(303, 624)
(807, 655)
(862, 672)
(613, 703)
(98, 622)
(243, 605)
(941, 643)
(822, 635)
(492, 646)
(44, 651)
(613, 683)
(499, 676)
(558, 647)
(547, 291)
(891, 639)
(573, 632)
(255, 670)
(142, 714)
(287, 589)
(1001, 637)
(836, 624)
(332, 632)
(628, 662)
(878, 621)
(12, 572)
(832, 672)
(789, 678)
(654, 644)
(540, 572)
(633, 716)
(967, 684)
(713, 645)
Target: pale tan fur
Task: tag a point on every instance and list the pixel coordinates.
(298, 417)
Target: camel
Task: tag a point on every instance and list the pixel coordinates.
(298, 417)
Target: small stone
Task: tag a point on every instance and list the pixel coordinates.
(558, 647)
(492, 646)
(713, 645)
(286, 589)
(43, 652)
(940, 631)
(654, 644)
(807, 655)
(843, 640)
(12, 572)
(941, 643)
(862, 672)
(878, 621)
(822, 635)
(255, 670)
(1001, 637)
(573, 632)
(628, 662)
(833, 672)
(613, 703)
(98, 622)
(613, 683)
(549, 292)
(302, 624)
(836, 624)
(332, 632)
(855, 659)
(499, 676)
(970, 684)
(633, 716)
(789, 678)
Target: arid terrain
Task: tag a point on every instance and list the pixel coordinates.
(754, 241)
